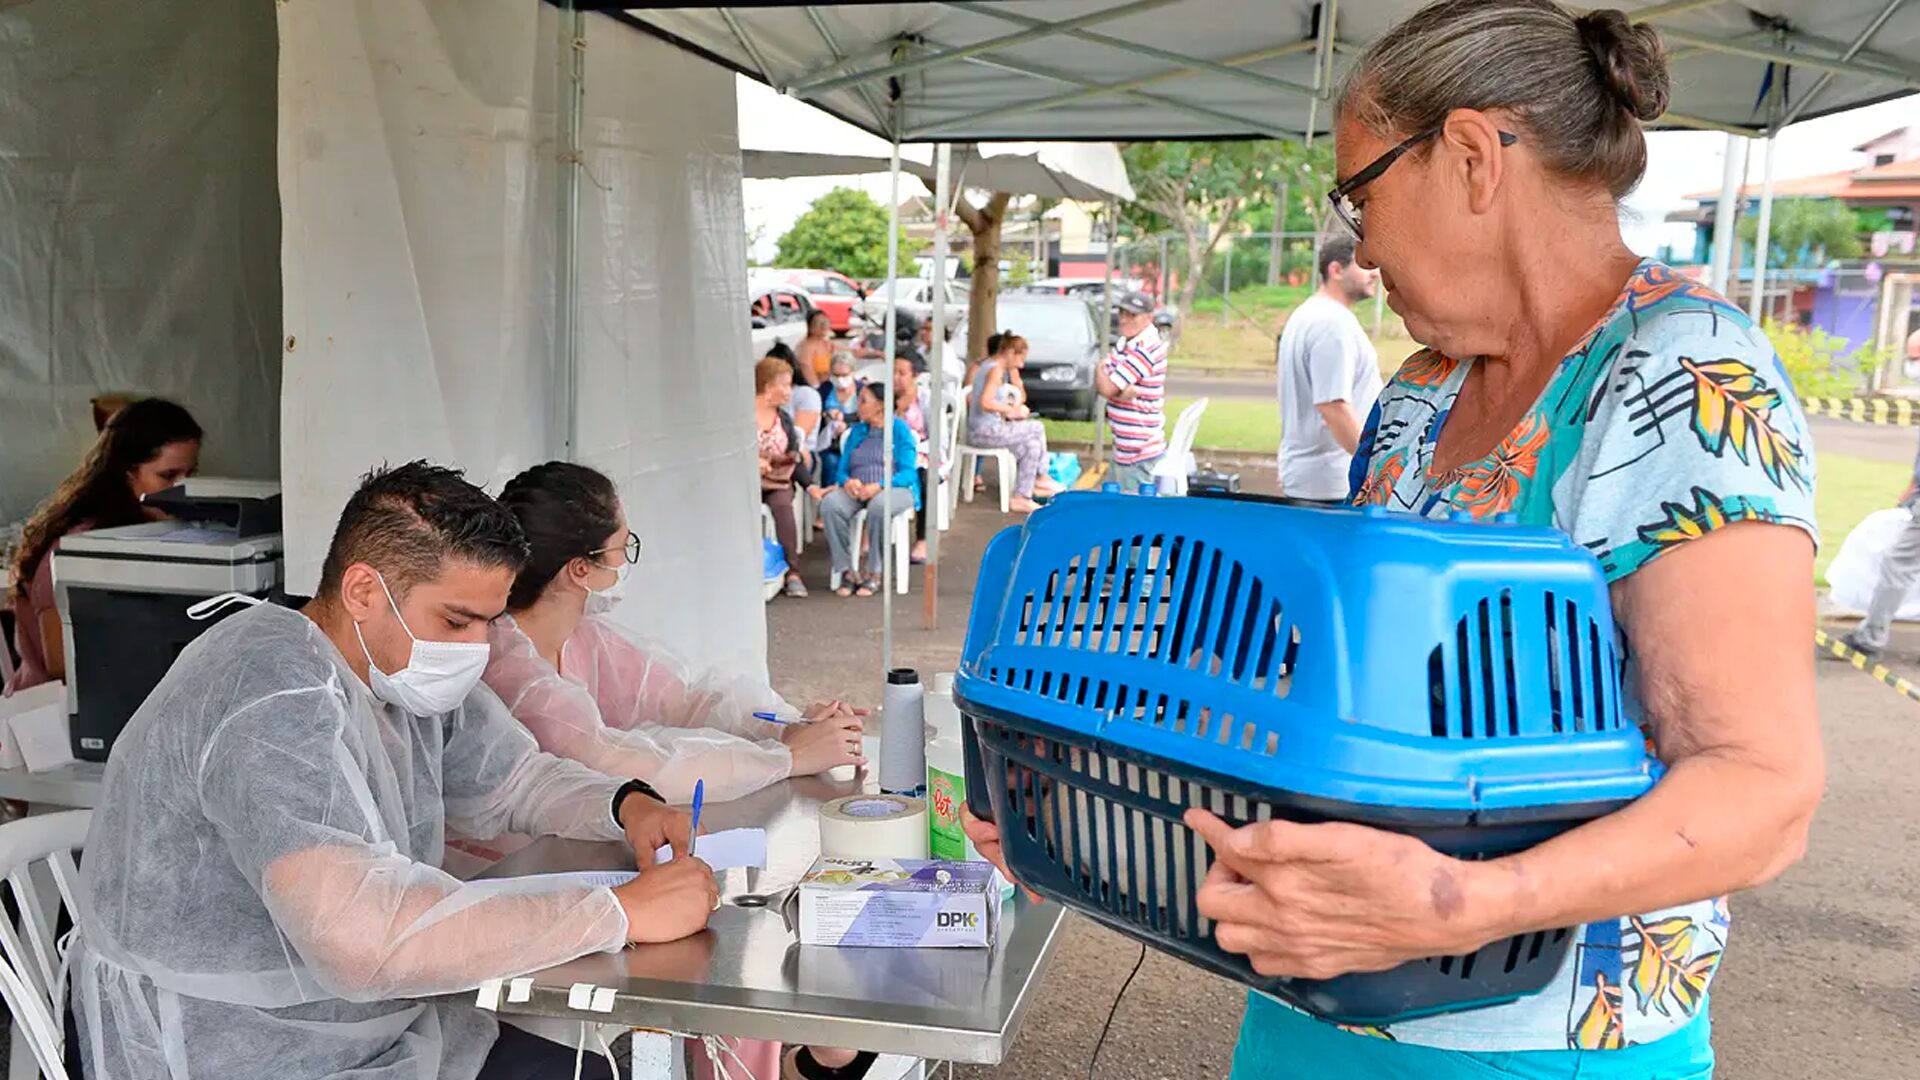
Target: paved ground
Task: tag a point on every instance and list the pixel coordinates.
(1822, 981)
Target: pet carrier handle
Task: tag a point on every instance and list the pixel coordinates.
(1256, 497)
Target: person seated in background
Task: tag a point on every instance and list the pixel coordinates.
(815, 351)
(837, 407)
(783, 453)
(803, 407)
(867, 480)
(263, 893)
(145, 447)
(908, 406)
(998, 417)
(590, 691)
(906, 337)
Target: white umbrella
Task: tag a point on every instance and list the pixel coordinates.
(1080, 171)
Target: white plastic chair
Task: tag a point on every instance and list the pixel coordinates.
(902, 546)
(1171, 472)
(771, 587)
(967, 457)
(36, 852)
(949, 441)
(802, 517)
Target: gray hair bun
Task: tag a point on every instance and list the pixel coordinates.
(1630, 60)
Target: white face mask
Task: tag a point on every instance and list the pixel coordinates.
(439, 674)
(601, 601)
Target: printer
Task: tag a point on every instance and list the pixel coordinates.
(123, 594)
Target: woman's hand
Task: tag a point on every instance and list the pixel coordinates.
(650, 823)
(825, 744)
(766, 465)
(669, 901)
(986, 840)
(819, 491)
(827, 710)
(1317, 901)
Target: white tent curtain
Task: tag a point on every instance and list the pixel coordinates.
(420, 180)
(139, 229)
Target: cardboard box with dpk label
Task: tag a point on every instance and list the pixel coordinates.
(898, 903)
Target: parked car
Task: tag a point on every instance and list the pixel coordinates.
(915, 297)
(1094, 293)
(778, 313)
(1063, 344)
(829, 290)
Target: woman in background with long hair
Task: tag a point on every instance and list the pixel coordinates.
(147, 446)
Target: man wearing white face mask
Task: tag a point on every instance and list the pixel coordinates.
(263, 883)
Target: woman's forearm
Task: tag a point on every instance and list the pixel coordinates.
(1717, 822)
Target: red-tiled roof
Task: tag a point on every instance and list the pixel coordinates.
(1895, 180)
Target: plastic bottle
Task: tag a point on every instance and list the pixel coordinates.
(946, 775)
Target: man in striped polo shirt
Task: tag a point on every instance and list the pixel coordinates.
(1133, 379)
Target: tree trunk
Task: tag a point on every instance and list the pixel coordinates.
(983, 294)
(1196, 270)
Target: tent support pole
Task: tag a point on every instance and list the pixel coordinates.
(573, 82)
(1106, 335)
(884, 523)
(1723, 215)
(937, 380)
(1322, 79)
(1761, 238)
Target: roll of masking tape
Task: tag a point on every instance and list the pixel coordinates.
(874, 827)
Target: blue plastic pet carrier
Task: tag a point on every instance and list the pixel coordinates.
(1129, 658)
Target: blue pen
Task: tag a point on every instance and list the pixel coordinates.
(771, 718)
(693, 830)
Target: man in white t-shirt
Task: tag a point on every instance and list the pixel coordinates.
(1329, 377)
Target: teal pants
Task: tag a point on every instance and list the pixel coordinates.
(1277, 1043)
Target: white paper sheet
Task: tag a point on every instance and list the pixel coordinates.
(728, 850)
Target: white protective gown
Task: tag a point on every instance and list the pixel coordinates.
(262, 883)
(629, 707)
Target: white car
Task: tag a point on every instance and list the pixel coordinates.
(778, 313)
(915, 298)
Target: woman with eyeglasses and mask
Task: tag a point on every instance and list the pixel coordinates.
(621, 704)
(1485, 145)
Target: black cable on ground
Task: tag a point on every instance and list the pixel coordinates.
(1114, 1011)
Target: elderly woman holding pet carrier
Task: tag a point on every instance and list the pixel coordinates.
(1483, 147)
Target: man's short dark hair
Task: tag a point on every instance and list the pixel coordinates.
(407, 522)
(1336, 249)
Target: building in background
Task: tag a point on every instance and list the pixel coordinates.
(1842, 297)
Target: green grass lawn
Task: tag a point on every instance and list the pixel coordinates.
(1849, 488)
(1229, 424)
(1242, 338)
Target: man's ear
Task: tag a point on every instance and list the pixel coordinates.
(361, 595)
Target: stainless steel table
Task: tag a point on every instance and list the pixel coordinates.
(74, 785)
(746, 975)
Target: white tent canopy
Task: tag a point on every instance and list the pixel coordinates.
(1080, 171)
(1178, 69)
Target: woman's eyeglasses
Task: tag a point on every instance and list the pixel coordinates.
(1341, 197)
(632, 550)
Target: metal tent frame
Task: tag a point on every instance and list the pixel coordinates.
(1042, 70)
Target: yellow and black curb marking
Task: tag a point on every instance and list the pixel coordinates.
(1834, 645)
(1897, 412)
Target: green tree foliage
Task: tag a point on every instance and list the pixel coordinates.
(1202, 191)
(843, 230)
(1820, 364)
(1806, 232)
